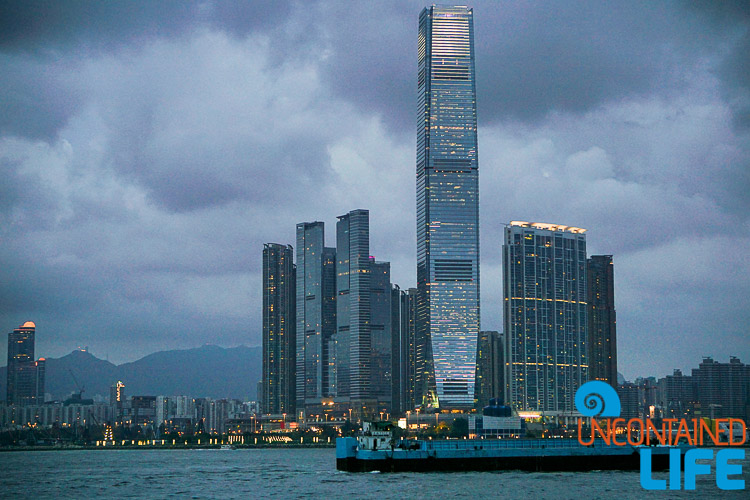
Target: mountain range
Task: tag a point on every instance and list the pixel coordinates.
(208, 371)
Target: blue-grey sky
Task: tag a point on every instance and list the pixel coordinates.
(149, 149)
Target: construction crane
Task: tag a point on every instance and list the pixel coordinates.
(79, 396)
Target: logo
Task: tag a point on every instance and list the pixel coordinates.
(598, 399)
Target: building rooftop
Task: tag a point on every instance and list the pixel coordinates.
(547, 226)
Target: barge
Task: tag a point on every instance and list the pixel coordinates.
(375, 449)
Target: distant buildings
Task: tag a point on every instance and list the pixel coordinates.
(602, 324)
(676, 395)
(447, 209)
(25, 385)
(544, 288)
(278, 393)
(117, 394)
(723, 389)
(143, 410)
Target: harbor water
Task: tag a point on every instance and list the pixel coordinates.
(296, 473)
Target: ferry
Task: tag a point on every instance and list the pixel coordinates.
(375, 449)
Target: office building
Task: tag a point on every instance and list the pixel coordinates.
(447, 207)
(315, 314)
(25, 376)
(279, 325)
(544, 288)
(602, 333)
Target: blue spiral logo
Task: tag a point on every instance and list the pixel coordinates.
(597, 399)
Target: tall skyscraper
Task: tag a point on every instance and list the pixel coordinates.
(315, 314)
(353, 336)
(279, 326)
(381, 367)
(329, 319)
(447, 206)
(403, 323)
(602, 325)
(25, 377)
(544, 287)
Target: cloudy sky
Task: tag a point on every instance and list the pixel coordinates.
(149, 149)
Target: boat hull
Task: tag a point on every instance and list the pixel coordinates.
(530, 464)
(484, 456)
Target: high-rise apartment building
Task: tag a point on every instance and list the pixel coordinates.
(279, 326)
(353, 344)
(490, 367)
(723, 389)
(447, 206)
(25, 376)
(315, 314)
(676, 395)
(544, 288)
(403, 324)
(602, 333)
(117, 394)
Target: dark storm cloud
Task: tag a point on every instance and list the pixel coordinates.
(48, 26)
(56, 26)
(31, 88)
(38, 35)
(533, 58)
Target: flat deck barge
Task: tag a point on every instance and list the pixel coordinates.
(376, 451)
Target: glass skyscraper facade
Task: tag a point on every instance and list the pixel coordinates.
(381, 367)
(544, 288)
(447, 208)
(353, 341)
(279, 325)
(403, 348)
(316, 313)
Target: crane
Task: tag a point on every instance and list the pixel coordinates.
(79, 396)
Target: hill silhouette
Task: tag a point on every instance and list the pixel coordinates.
(207, 371)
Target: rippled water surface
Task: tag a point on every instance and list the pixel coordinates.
(294, 473)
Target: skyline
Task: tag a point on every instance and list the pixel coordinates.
(143, 151)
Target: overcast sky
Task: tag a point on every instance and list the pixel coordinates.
(149, 149)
